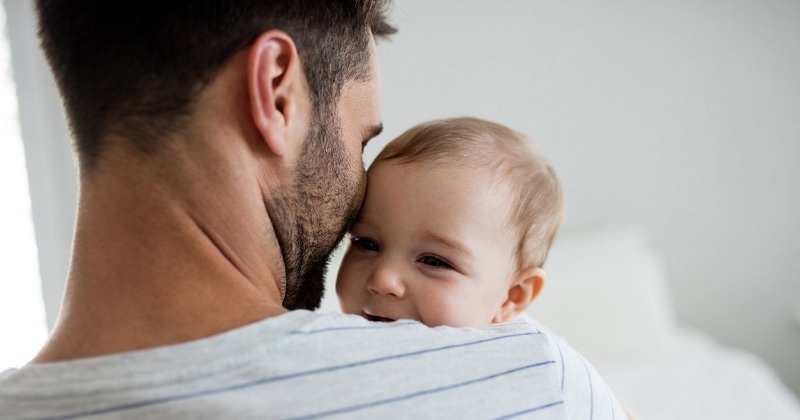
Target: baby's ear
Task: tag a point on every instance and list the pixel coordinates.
(522, 291)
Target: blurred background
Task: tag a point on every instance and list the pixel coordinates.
(682, 117)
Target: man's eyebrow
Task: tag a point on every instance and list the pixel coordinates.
(452, 243)
(373, 132)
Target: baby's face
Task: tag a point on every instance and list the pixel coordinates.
(431, 244)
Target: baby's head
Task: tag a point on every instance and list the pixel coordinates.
(456, 224)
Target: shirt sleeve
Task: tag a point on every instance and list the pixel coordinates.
(585, 394)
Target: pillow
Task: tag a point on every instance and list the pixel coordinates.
(606, 294)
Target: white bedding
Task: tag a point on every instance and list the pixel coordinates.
(607, 296)
(694, 378)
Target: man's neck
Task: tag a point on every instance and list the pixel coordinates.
(156, 264)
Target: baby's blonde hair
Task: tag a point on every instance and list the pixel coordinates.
(536, 201)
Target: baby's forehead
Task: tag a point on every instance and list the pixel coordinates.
(489, 174)
(486, 188)
(467, 166)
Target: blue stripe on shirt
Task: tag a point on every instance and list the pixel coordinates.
(530, 410)
(147, 403)
(611, 401)
(561, 356)
(418, 394)
(360, 327)
(381, 326)
(591, 389)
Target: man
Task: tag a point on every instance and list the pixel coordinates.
(220, 160)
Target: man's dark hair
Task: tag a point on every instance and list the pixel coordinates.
(135, 67)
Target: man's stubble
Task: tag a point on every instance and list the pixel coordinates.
(312, 216)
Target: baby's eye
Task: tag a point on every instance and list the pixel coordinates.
(437, 262)
(365, 244)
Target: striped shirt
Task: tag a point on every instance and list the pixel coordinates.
(303, 365)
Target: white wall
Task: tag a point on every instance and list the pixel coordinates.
(683, 116)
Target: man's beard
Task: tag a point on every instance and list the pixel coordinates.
(312, 216)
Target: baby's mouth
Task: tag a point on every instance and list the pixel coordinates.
(376, 318)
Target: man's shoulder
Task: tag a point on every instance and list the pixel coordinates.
(356, 327)
(498, 370)
(527, 366)
(355, 367)
(518, 340)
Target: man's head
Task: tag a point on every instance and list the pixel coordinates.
(457, 222)
(135, 68)
(135, 76)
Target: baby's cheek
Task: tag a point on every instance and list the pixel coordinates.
(447, 309)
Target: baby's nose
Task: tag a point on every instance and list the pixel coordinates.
(386, 280)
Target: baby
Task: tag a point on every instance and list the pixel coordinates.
(456, 225)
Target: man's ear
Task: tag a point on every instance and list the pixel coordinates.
(275, 87)
(522, 291)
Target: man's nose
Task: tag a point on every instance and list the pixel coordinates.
(386, 279)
